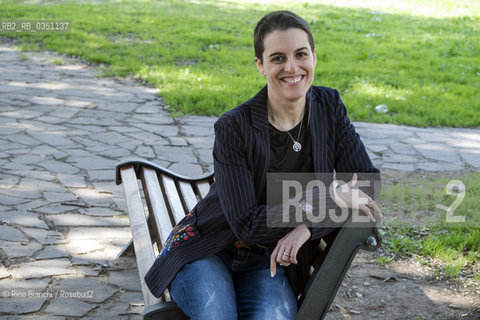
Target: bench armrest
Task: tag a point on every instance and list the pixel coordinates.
(138, 164)
(326, 279)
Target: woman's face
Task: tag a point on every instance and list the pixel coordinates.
(288, 64)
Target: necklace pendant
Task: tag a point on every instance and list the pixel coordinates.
(297, 146)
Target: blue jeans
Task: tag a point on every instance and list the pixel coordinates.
(234, 284)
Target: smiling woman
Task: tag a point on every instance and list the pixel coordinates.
(233, 263)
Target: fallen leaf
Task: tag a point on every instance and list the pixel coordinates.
(391, 279)
(342, 309)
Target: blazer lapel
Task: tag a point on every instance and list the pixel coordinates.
(261, 149)
(258, 109)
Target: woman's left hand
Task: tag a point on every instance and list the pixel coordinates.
(287, 248)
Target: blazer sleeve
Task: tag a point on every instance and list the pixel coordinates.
(350, 156)
(350, 153)
(235, 184)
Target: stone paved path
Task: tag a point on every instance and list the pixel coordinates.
(63, 130)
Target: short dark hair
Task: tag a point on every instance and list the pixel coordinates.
(278, 20)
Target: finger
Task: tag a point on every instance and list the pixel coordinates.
(273, 268)
(273, 262)
(285, 264)
(376, 208)
(371, 204)
(286, 255)
(281, 257)
(365, 209)
(353, 181)
(293, 255)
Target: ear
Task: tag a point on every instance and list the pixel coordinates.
(314, 58)
(260, 66)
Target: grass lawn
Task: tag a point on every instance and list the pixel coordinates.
(415, 222)
(421, 58)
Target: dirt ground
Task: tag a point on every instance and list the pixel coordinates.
(402, 289)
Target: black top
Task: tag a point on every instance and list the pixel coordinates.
(282, 156)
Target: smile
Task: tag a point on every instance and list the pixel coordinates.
(293, 80)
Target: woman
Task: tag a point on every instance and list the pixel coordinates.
(223, 261)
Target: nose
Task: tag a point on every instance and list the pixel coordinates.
(291, 66)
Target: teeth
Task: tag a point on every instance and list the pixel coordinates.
(293, 80)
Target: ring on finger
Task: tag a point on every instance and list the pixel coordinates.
(286, 254)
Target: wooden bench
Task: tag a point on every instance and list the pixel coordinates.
(167, 197)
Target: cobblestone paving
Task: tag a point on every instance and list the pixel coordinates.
(63, 131)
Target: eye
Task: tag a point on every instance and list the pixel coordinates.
(302, 54)
(278, 58)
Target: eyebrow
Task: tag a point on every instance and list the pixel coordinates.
(277, 53)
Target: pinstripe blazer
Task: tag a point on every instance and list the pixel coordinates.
(234, 206)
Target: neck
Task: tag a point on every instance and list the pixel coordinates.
(285, 115)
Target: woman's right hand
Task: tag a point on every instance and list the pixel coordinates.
(286, 250)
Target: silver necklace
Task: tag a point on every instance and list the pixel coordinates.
(297, 146)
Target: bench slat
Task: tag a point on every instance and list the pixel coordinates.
(173, 198)
(141, 237)
(159, 210)
(188, 195)
(203, 188)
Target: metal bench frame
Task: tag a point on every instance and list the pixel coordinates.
(167, 197)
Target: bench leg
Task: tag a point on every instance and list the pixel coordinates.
(127, 251)
(164, 311)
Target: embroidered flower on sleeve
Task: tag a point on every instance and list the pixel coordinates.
(180, 233)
